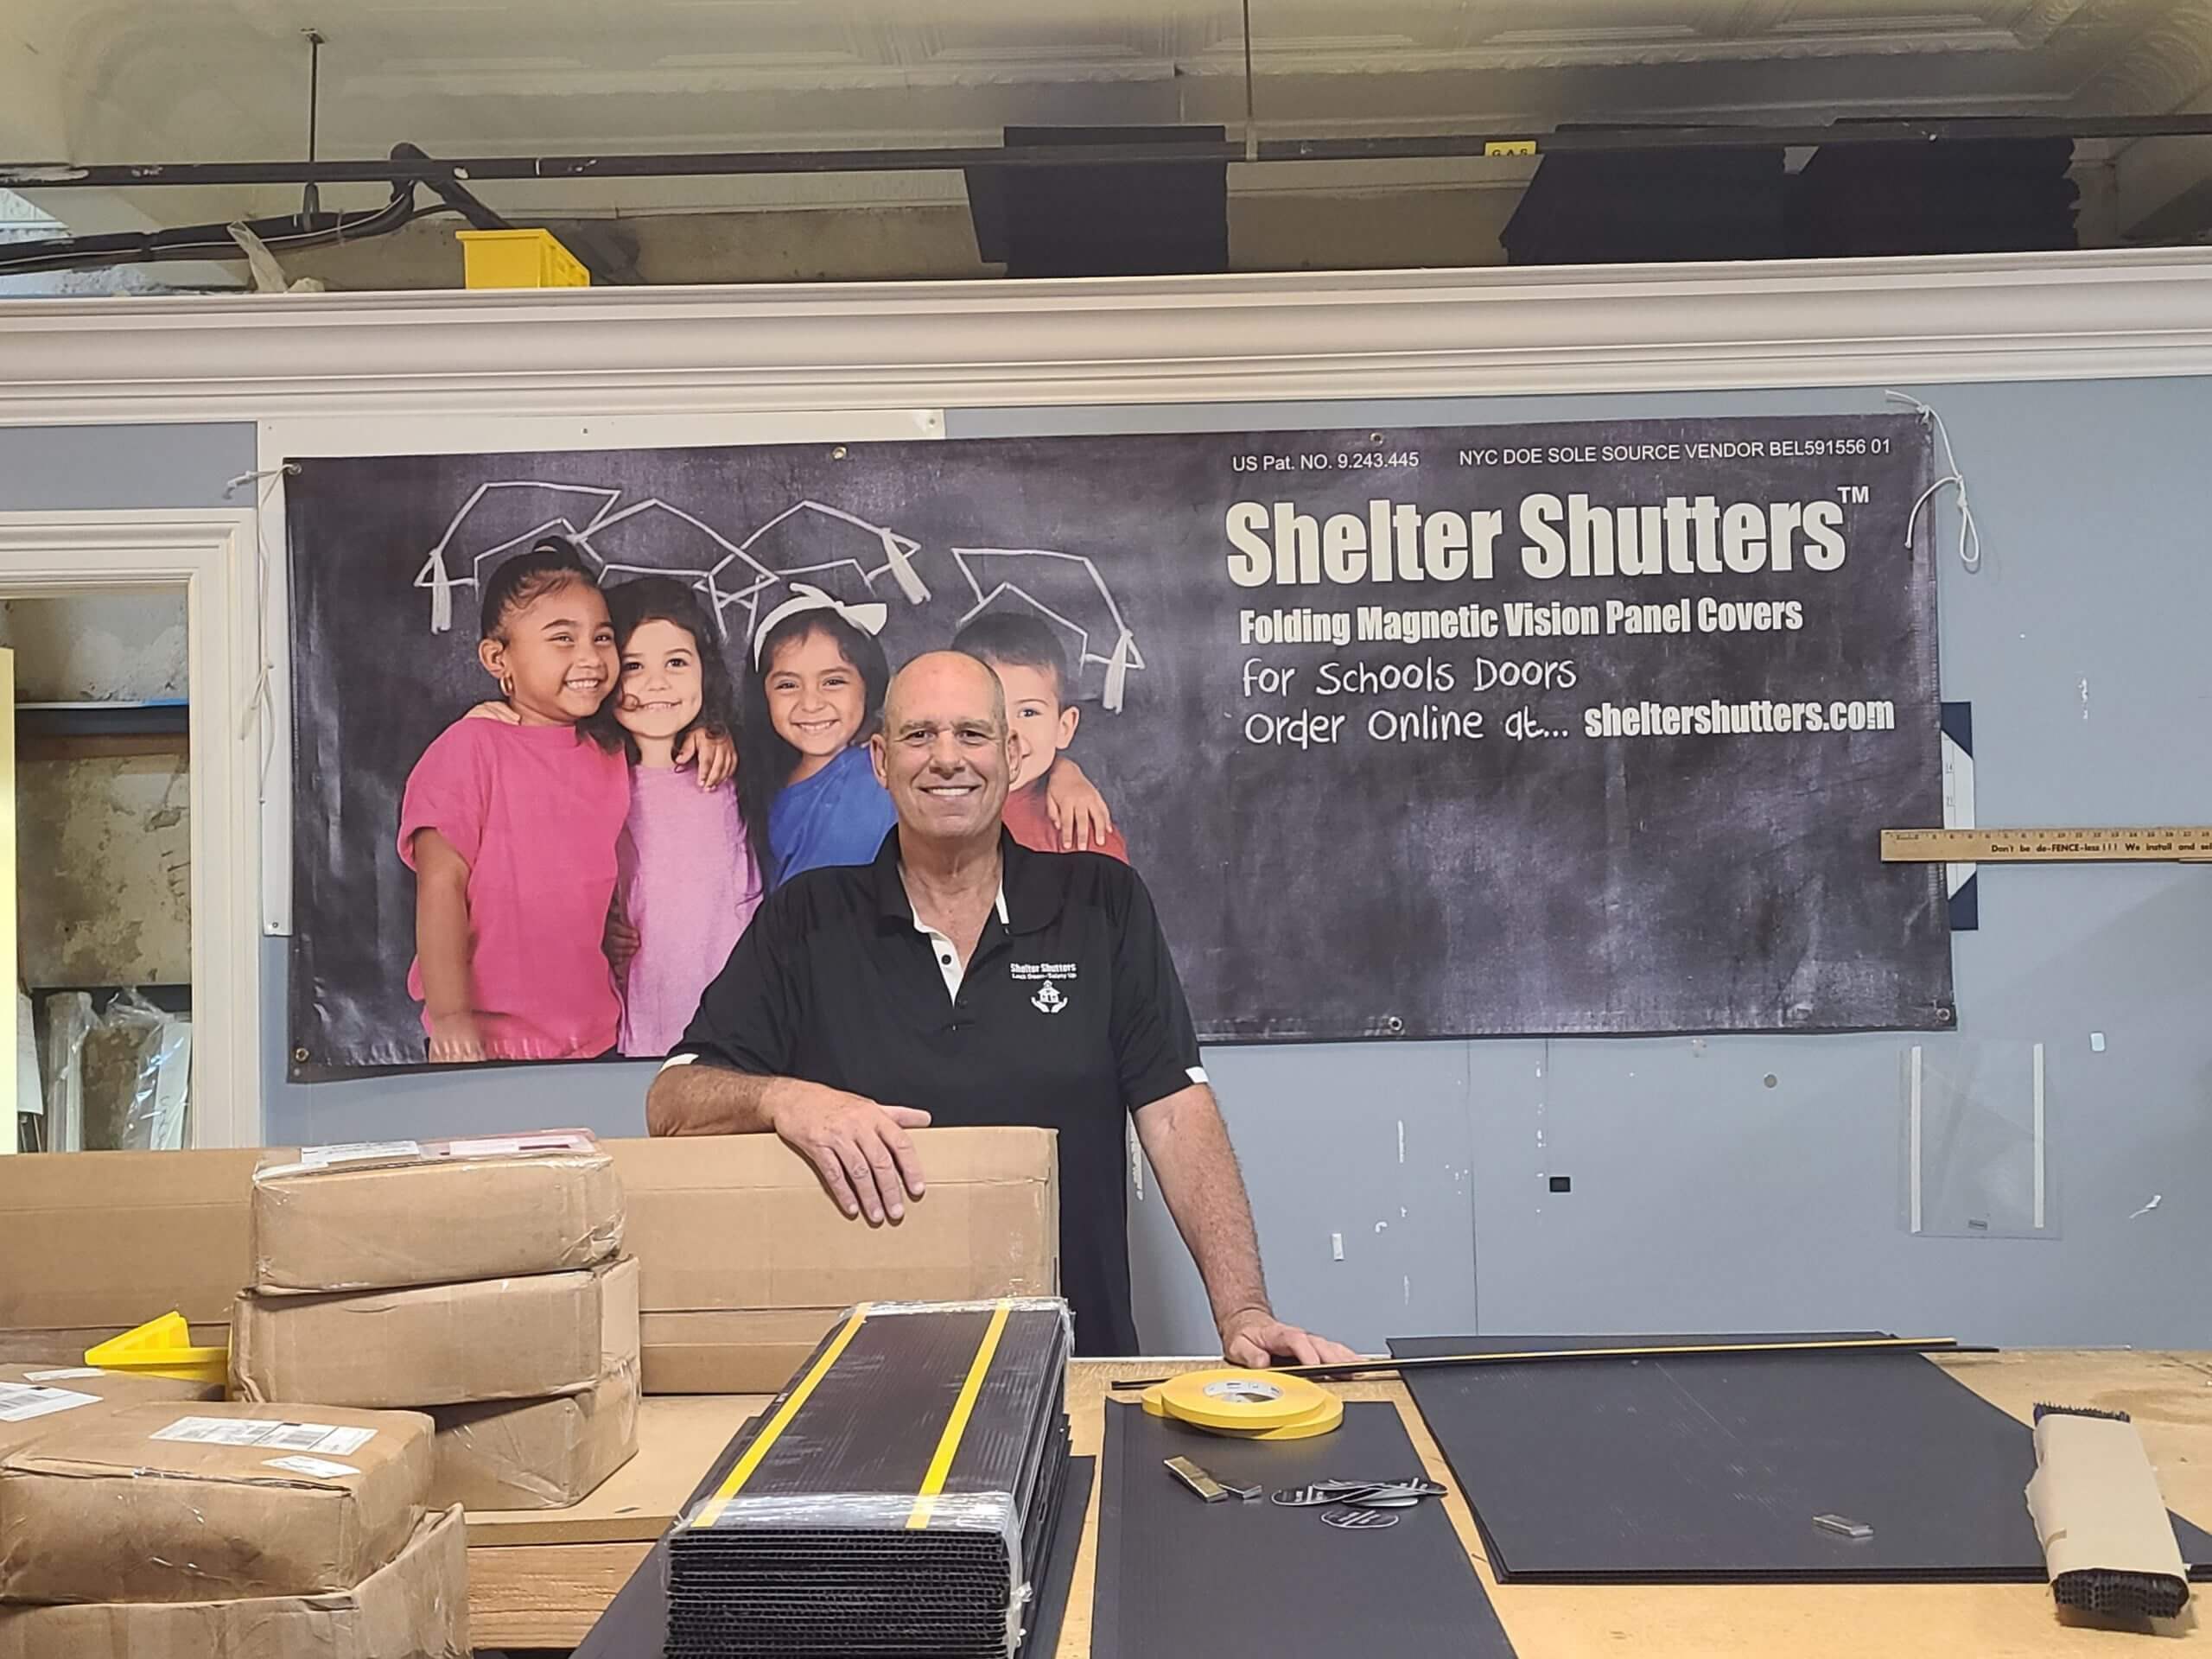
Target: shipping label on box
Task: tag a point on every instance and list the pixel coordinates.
(21, 1401)
(298, 1437)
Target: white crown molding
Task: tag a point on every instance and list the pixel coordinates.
(1169, 340)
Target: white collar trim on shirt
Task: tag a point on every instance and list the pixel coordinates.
(948, 959)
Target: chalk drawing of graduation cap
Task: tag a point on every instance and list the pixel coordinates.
(654, 536)
(502, 517)
(1066, 590)
(808, 540)
(830, 549)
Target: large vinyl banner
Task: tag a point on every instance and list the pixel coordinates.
(1418, 733)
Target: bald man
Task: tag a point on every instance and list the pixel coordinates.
(961, 979)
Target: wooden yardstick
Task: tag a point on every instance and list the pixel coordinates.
(2159, 843)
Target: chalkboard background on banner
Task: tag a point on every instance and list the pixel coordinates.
(1581, 859)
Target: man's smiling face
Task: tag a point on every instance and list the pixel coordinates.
(944, 752)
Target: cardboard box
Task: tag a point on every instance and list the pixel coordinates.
(117, 1388)
(547, 1454)
(732, 1350)
(732, 1226)
(541, 1455)
(433, 1212)
(747, 1263)
(429, 1345)
(416, 1608)
(106, 1240)
(186, 1501)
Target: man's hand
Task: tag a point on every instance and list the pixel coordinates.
(1254, 1337)
(712, 751)
(860, 1150)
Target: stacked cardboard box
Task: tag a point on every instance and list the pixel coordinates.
(183, 1529)
(480, 1280)
(745, 1263)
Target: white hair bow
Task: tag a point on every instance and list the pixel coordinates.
(869, 619)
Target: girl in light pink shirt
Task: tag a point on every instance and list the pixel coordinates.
(510, 826)
(687, 882)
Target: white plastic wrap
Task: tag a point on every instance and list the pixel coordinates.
(138, 1094)
(30, 1091)
(981, 1304)
(69, 1017)
(389, 1154)
(880, 1512)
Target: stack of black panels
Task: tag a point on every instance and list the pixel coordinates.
(899, 1497)
(1996, 195)
(1610, 208)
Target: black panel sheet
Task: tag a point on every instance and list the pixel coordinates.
(1178, 1578)
(1711, 1469)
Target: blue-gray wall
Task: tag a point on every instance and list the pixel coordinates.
(1704, 1195)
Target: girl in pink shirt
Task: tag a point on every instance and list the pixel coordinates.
(687, 882)
(510, 830)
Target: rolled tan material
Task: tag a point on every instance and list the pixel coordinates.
(2108, 1542)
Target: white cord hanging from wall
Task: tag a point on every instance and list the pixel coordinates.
(1970, 532)
(257, 698)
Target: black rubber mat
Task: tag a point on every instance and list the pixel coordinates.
(1711, 1469)
(1180, 1578)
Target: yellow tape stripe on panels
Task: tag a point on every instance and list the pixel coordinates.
(797, 1398)
(948, 1446)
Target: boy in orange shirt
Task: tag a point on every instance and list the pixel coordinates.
(1024, 653)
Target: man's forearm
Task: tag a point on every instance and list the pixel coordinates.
(1188, 1144)
(713, 1100)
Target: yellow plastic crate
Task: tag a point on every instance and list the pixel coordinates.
(162, 1347)
(519, 259)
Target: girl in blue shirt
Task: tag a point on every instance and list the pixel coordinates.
(807, 788)
(806, 785)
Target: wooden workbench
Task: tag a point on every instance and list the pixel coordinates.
(539, 1579)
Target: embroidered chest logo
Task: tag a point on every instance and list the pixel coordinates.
(1049, 999)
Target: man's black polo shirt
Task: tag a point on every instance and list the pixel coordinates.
(1068, 1017)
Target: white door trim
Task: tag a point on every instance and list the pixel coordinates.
(213, 554)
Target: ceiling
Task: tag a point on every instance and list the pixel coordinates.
(141, 80)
